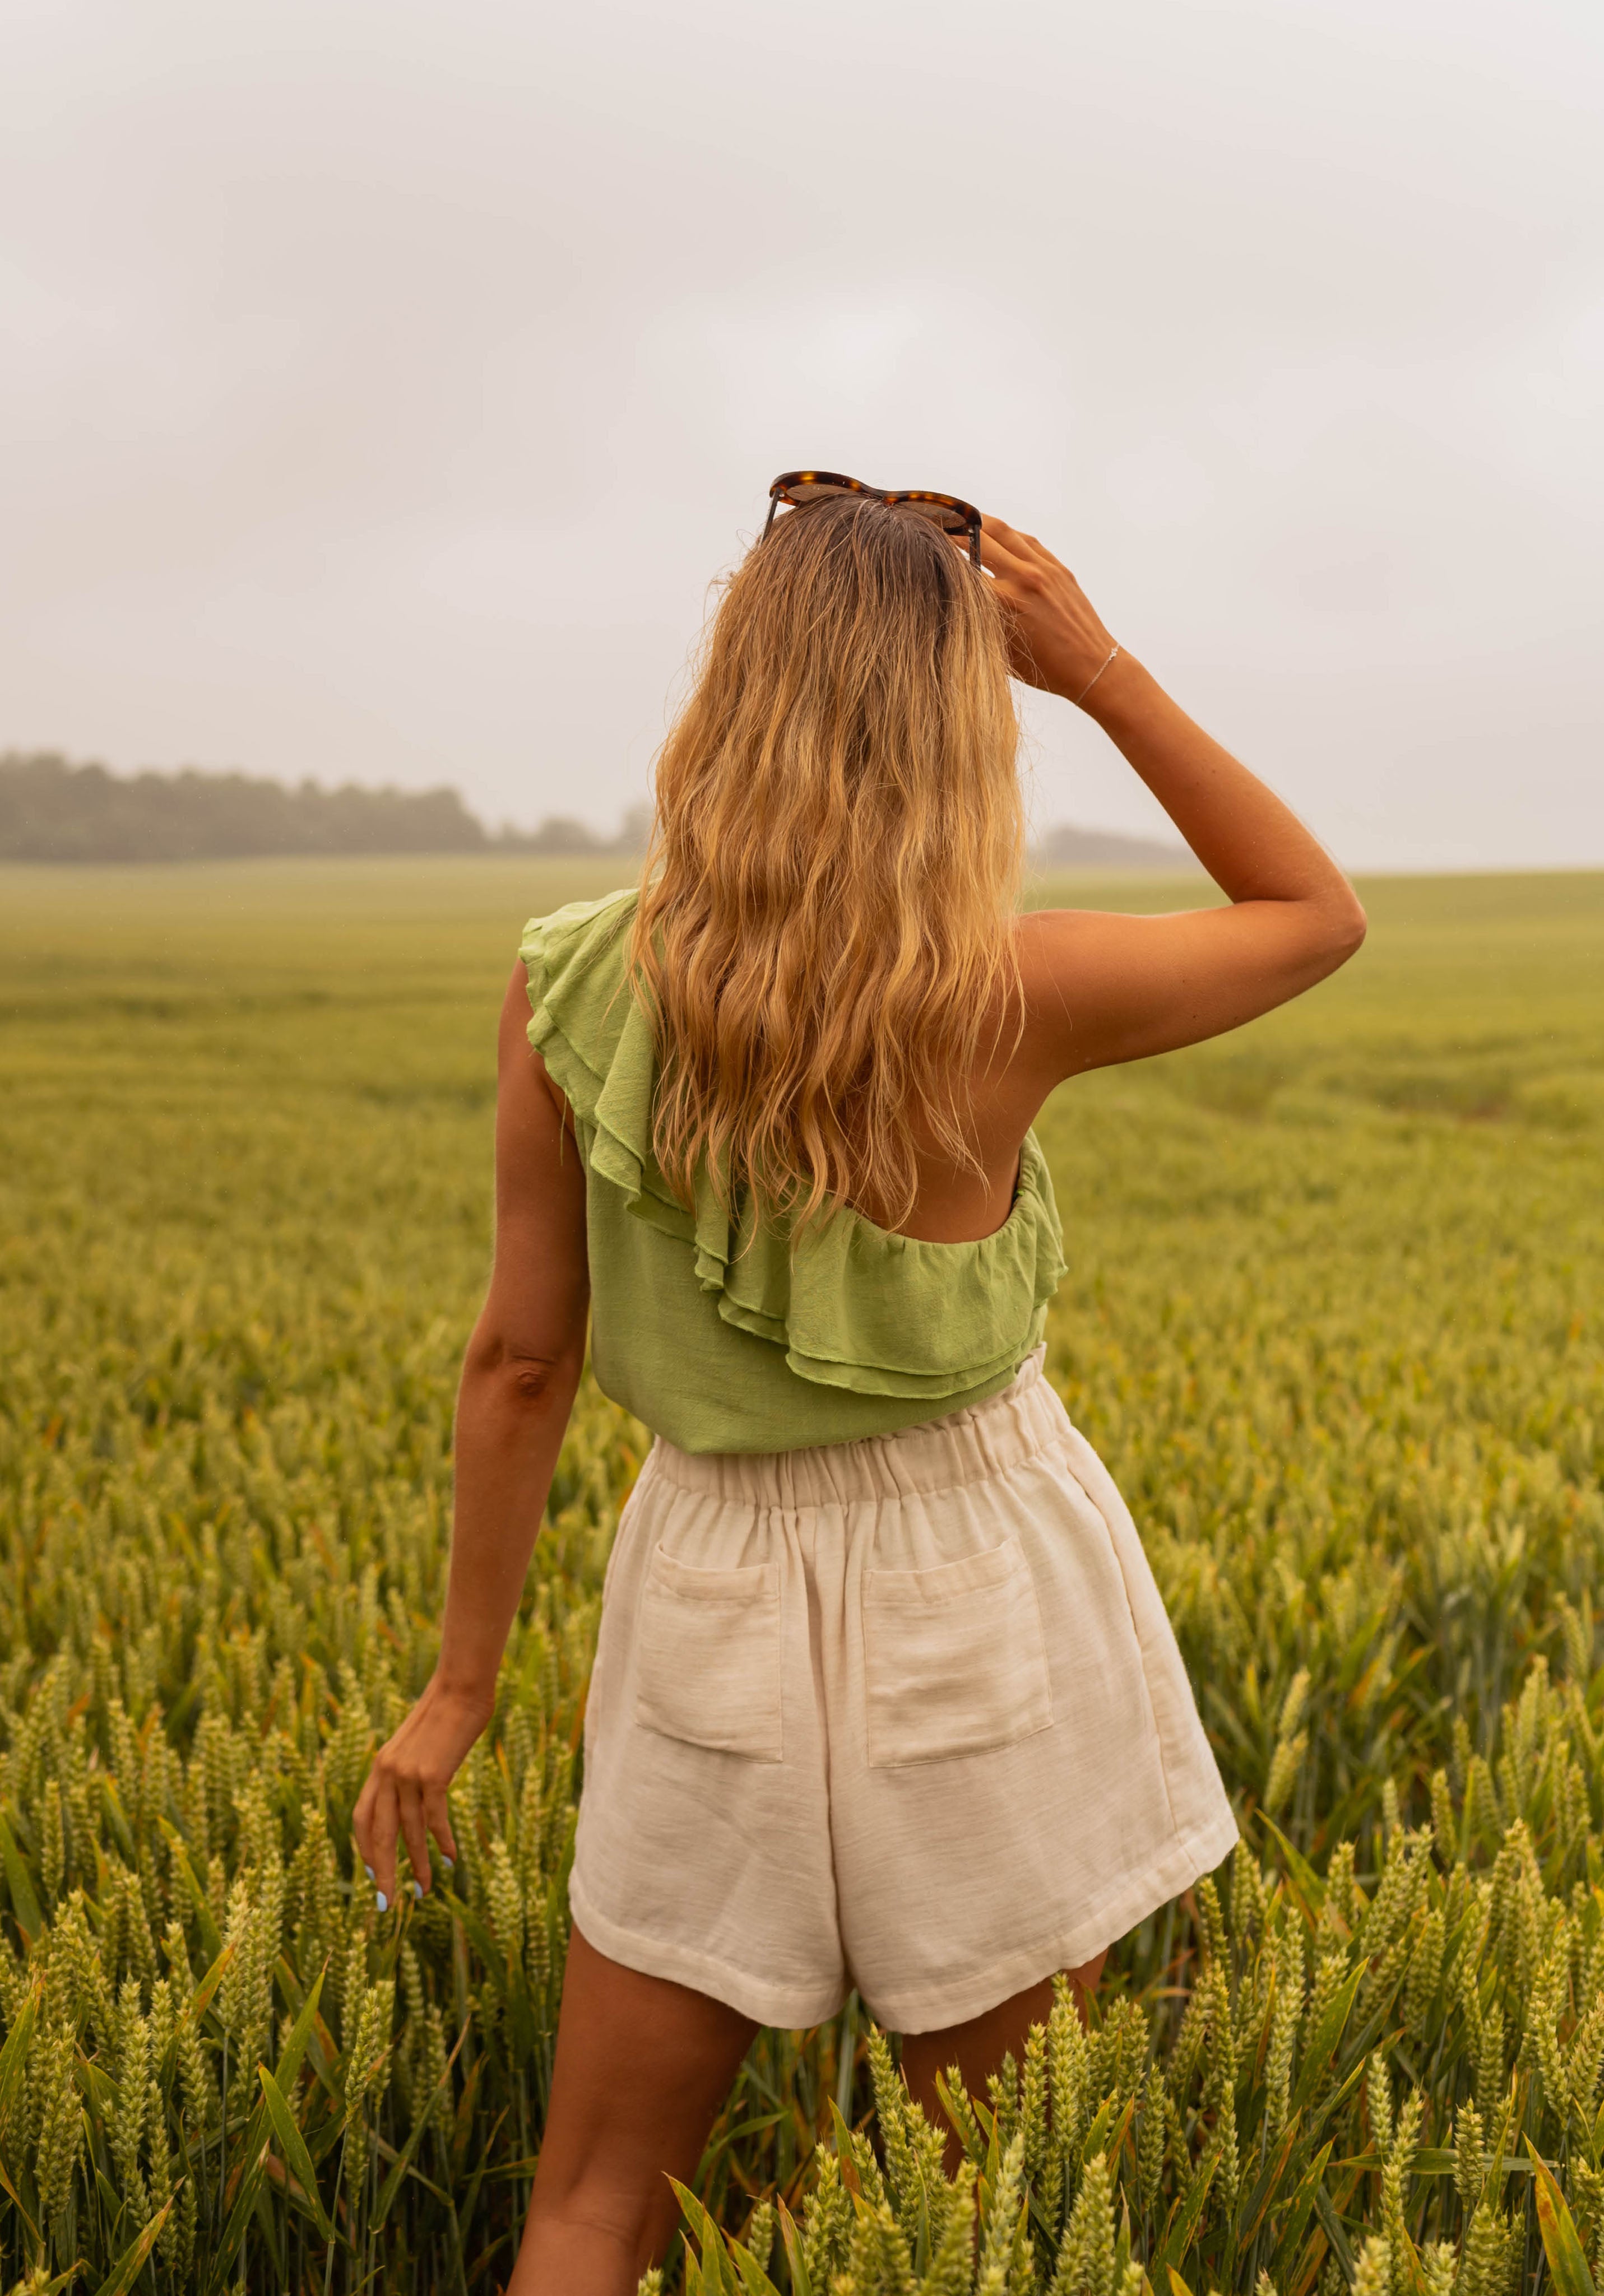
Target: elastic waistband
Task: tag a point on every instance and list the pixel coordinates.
(967, 1447)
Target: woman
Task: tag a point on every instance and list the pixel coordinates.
(885, 1694)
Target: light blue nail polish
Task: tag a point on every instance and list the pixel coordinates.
(417, 1888)
(368, 1871)
(383, 1901)
(448, 1863)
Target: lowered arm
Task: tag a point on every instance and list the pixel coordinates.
(519, 1373)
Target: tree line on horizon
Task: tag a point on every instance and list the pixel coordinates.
(52, 809)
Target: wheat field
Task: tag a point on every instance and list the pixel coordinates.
(1333, 1319)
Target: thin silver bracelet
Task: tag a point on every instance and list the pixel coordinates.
(1087, 689)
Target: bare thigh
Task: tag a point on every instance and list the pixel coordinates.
(978, 2046)
(642, 2069)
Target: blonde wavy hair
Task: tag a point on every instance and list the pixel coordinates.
(823, 936)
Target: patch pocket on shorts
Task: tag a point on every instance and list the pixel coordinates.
(954, 1658)
(708, 1666)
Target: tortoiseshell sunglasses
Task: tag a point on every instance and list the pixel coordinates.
(799, 487)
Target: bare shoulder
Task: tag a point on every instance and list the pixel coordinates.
(1048, 941)
(1051, 947)
(524, 1074)
(1064, 955)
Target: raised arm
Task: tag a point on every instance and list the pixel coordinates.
(518, 1375)
(1102, 989)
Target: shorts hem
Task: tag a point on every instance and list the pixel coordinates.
(791, 2008)
(930, 2008)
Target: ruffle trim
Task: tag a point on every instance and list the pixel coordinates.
(857, 1307)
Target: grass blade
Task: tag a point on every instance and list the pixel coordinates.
(1561, 2243)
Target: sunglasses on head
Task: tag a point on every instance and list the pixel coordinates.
(797, 488)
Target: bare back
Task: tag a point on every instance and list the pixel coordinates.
(1101, 988)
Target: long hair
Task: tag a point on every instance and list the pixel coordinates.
(823, 935)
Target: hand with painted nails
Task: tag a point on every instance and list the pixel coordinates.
(405, 1796)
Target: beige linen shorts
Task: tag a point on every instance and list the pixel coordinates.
(904, 1713)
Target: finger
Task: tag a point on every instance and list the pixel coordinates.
(1014, 580)
(1023, 549)
(410, 1804)
(382, 1843)
(995, 560)
(996, 540)
(1006, 556)
(362, 1824)
(1005, 538)
(437, 1815)
(1014, 537)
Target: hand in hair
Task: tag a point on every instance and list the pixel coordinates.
(1105, 988)
(1057, 640)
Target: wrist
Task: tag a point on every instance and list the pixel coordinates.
(463, 1688)
(1075, 673)
(1110, 691)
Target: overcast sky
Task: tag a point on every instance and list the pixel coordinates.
(382, 387)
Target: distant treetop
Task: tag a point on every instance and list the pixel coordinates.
(54, 811)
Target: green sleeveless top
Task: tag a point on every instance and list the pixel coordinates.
(702, 1323)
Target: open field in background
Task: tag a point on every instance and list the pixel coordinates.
(1332, 1316)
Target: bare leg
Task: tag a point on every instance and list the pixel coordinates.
(979, 2047)
(642, 2068)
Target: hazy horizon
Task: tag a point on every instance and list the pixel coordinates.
(386, 387)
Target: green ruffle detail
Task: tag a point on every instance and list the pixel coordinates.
(856, 1306)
